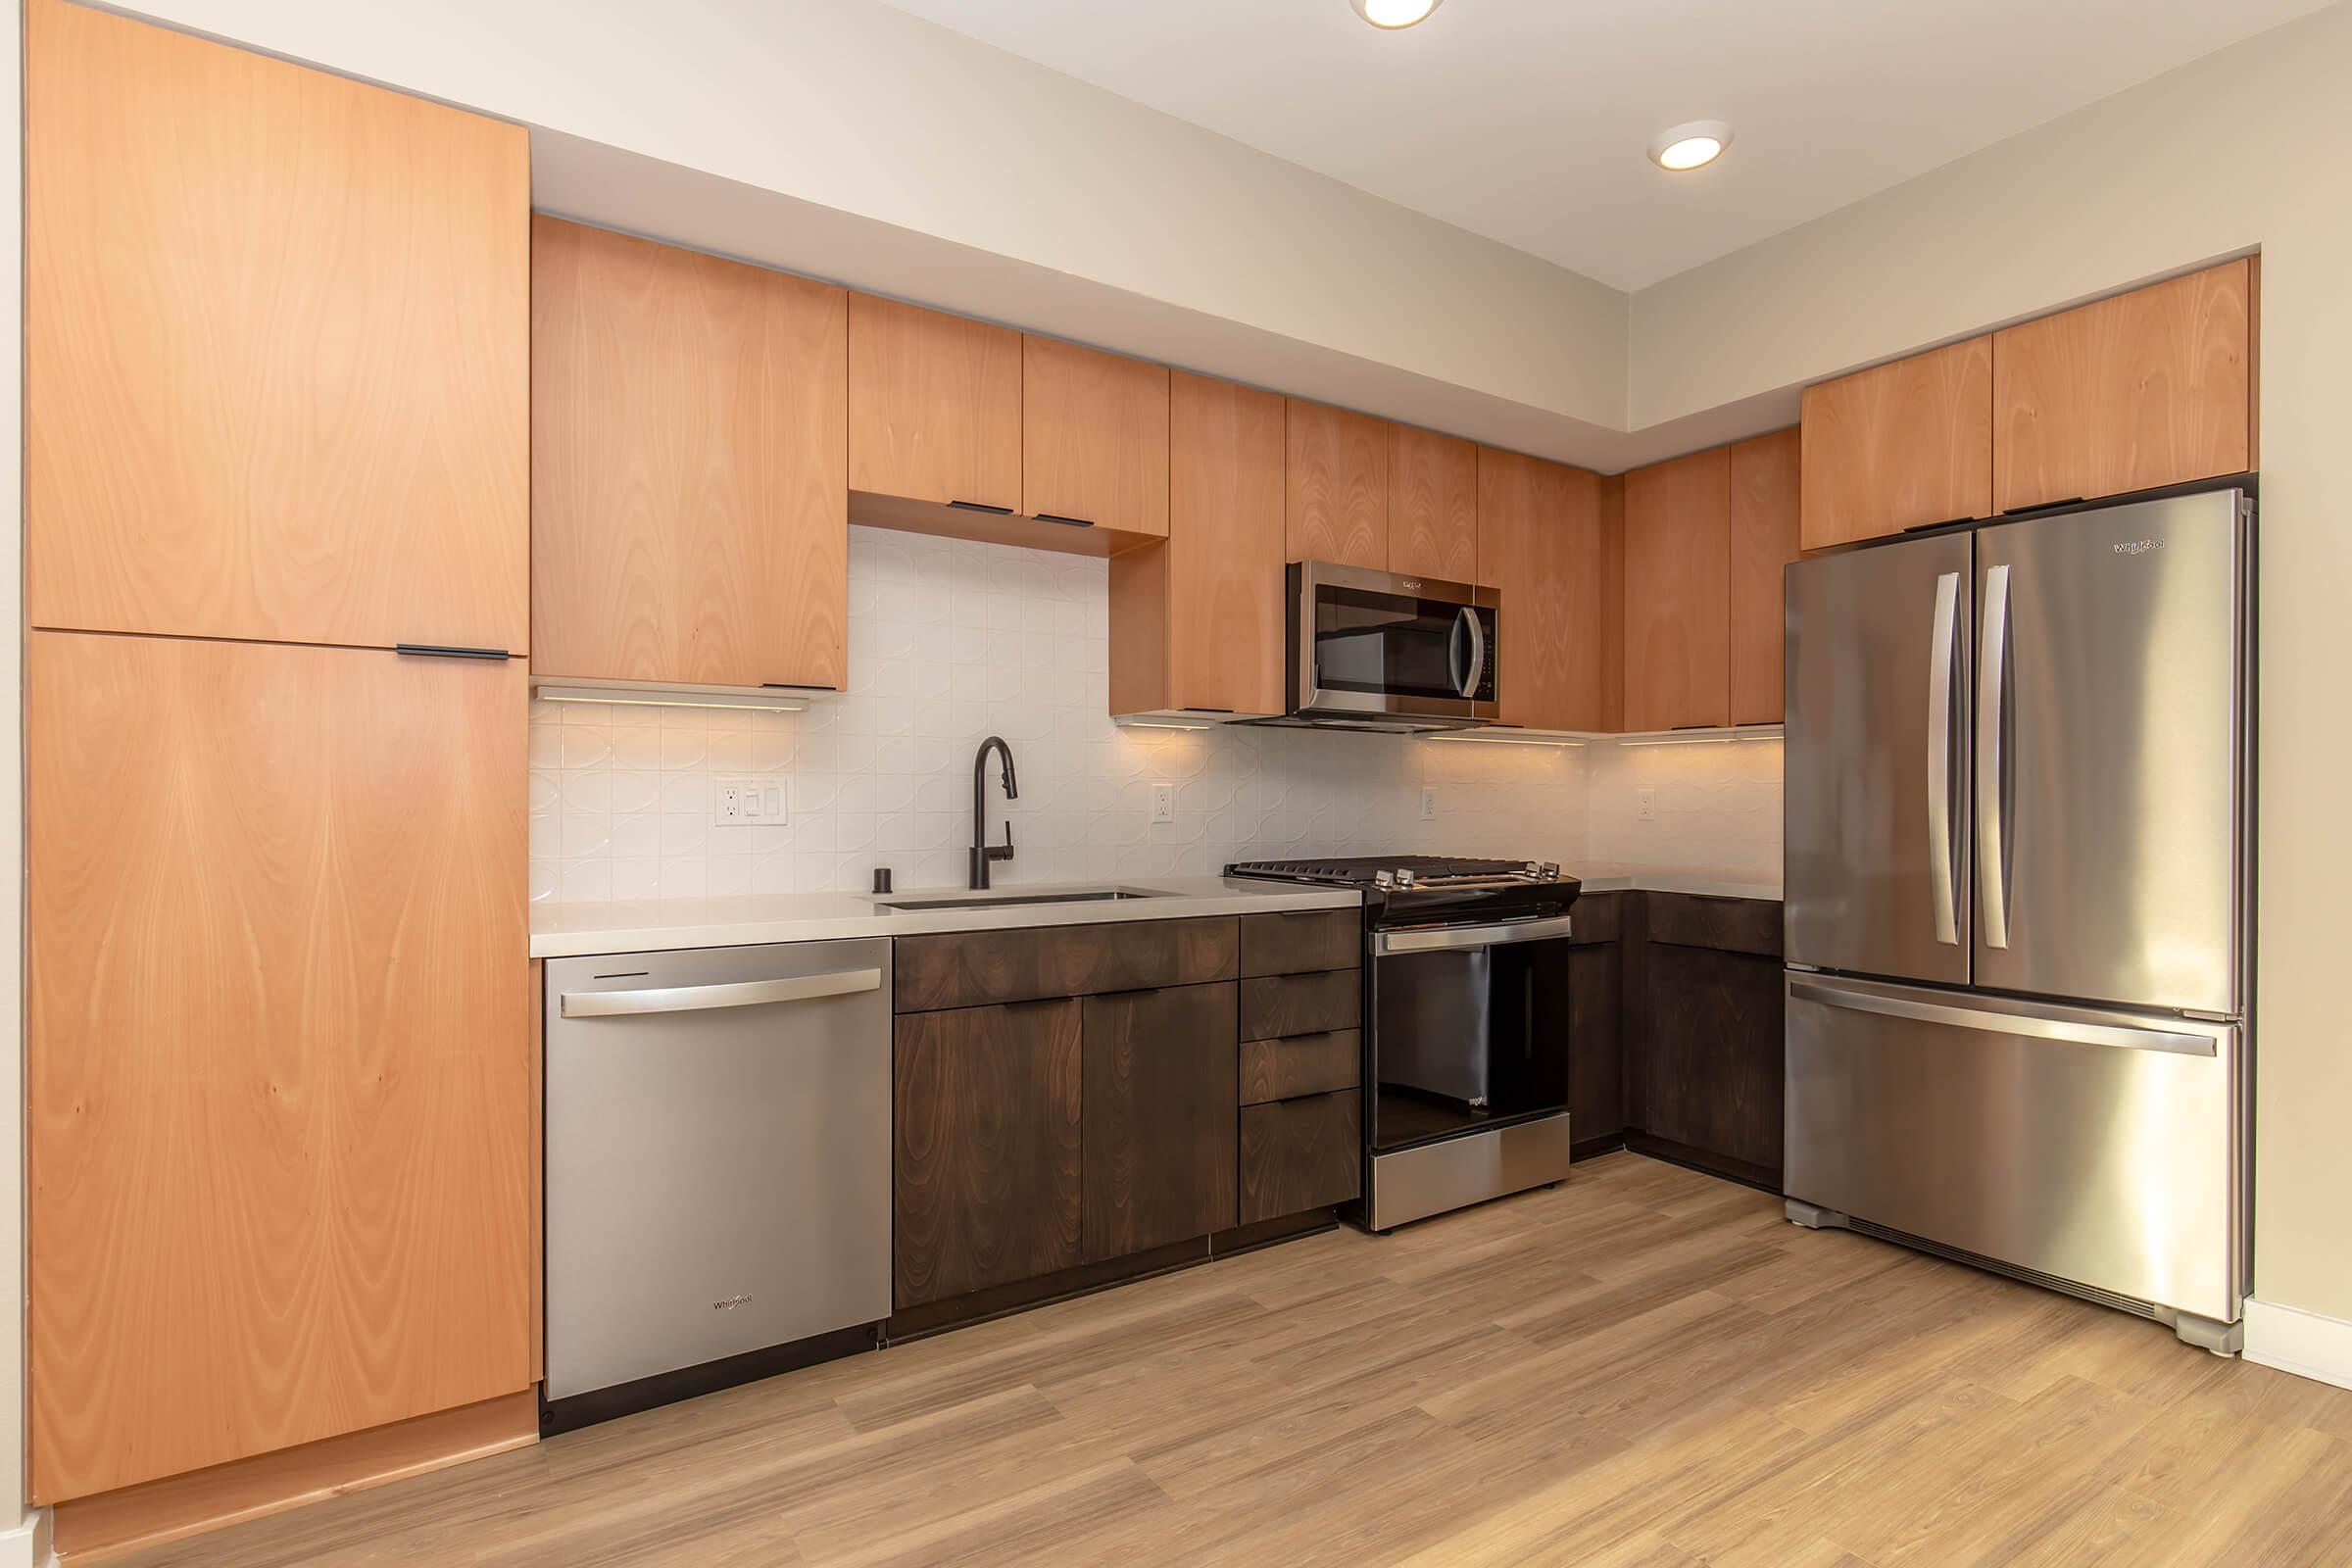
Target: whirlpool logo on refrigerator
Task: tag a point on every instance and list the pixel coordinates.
(2139, 547)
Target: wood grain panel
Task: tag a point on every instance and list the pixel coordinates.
(1610, 705)
(1298, 1154)
(2149, 388)
(1763, 537)
(1278, 1006)
(1295, 942)
(1219, 588)
(1898, 446)
(1433, 505)
(986, 1172)
(1540, 542)
(966, 968)
(159, 1512)
(1303, 1064)
(935, 404)
(1714, 1066)
(689, 466)
(1094, 437)
(1732, 925)
(1334, 485)
(276, 349)
(1678, 595)
(1160, 1095)
(278, 1100)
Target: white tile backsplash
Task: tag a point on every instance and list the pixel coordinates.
(951, 641)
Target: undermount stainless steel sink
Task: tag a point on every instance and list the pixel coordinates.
(1002, 900)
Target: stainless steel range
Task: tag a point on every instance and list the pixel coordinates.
(1465, 1026)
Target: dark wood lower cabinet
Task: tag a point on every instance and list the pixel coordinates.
(1595, 1026)
(986, 1112)
(1160, 1117)
(1300, 1154)
(1713, 1066)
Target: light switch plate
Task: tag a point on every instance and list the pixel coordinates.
(1429, 805)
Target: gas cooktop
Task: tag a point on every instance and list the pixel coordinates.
(1430, 890)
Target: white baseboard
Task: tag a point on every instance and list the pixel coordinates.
(2306, 1344)
(28, 1544)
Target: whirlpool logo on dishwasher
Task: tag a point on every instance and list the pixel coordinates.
(729, 1305)
(2139, 547)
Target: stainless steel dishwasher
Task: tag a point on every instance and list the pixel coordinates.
(717, 1168)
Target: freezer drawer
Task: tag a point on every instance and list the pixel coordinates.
(2104, 1148)
(717, 1154)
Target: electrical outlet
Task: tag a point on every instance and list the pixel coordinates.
(1163, 803)
(1646, 805)
(1429, 805)
(748, 803)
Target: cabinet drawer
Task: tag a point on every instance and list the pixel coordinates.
(1295, 944)
(1298, 1154)
(1303, 1064)
(973, 968)
(1276, 1005)
(1728, 926)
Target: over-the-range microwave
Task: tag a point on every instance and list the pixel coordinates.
(1381, 651)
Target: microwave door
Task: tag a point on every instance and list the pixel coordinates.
(1373, 643)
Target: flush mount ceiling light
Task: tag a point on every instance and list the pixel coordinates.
(1393, 14)
(1690, 146)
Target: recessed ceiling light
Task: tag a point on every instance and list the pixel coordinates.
(1393, 14)
(1690, 146)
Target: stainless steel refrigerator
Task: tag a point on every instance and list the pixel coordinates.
(2019, 851)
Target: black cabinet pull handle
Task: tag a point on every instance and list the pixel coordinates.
(979, 506)
(1067, 522)
(441, 650)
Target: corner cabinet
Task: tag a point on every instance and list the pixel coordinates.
(1764, 523)
(1678, 558)
(1541, 541)
(279, 1099)
(276, 348)
(689, 497)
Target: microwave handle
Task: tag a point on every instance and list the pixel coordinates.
(1466, 620)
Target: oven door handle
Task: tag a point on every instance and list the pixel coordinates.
(1454, 938)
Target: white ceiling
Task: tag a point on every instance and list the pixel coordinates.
(1526, 120)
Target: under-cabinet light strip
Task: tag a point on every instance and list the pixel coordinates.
(1507, 740)
(630, 698)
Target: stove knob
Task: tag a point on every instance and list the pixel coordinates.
(1404, 878)
(1533, 869)
(1383, 881)
(1551, 870)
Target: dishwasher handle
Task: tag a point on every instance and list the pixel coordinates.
(693, 998)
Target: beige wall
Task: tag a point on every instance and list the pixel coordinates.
(2246, 148)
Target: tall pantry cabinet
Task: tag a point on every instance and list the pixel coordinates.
(280, 1084)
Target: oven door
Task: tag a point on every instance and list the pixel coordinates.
(1469, 1028)
(1368, 644)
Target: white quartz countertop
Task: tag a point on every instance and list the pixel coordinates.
(652, 925)
(1605, 877)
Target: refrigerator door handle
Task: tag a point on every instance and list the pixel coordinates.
(1992, 697)
(2035, 1027)
(1941, 658)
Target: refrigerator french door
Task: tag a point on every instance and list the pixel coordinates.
(2017, 907)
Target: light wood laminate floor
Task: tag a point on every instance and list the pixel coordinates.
(1645, 1369)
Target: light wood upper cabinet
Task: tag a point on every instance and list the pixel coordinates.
(1678, 593)
(277, 348)
(1433, 505)
(935, 406)
(1899, 446)
(2149, 388)
(278, 1102)
(1336, 485)
(1540, 541)
(1094, 437)
(1764, 541)
(1198, 623)
(689, 448)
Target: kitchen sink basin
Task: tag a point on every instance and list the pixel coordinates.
(1003, 899)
